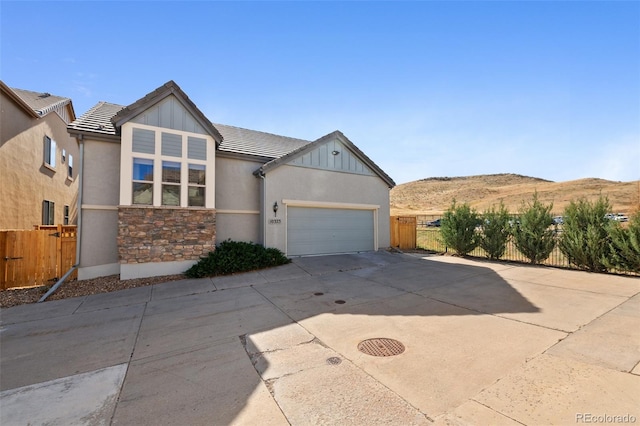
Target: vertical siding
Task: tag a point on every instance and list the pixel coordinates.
(322, 158)
(170, 114)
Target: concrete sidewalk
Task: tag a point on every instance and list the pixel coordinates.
(484, 343)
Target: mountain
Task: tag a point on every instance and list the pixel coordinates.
(432, 196)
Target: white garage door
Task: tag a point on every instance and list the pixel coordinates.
(325, 231)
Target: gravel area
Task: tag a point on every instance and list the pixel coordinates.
(13, 297)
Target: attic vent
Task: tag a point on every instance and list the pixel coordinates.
(45, 95)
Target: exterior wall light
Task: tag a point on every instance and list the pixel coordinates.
(335, 152)
(275, 208)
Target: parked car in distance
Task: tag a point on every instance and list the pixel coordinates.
(434, 223)
(621, 218)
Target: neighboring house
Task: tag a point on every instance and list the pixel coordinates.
(161, 185)
(38, 160)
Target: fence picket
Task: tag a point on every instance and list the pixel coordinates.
(31, 258)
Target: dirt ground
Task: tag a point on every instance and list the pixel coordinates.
(13, 297)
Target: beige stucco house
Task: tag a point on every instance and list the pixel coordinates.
(161, 184)
(38, 159)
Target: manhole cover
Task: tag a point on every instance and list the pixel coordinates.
(381, 347)
(318, 294)
(340, 302)
(334, 360)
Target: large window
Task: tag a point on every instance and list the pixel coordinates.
(142, 181)
(48, 213)
(197, 173)
(169, 168)
(49, 152)
(170, 183)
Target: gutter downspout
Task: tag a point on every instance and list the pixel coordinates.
(78, 227)
(263, 216)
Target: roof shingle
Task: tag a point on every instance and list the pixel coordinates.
(97, 119)
(42, 103)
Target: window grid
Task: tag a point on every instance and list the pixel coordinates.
(174, 161)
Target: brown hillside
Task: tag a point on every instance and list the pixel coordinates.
(432, 196)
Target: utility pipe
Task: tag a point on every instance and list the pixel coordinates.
(78, 226)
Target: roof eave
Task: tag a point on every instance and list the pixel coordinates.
(162, 92)
(335, 134)
(17, 99)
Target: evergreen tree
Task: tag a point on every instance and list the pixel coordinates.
(495, 231)
(458, 228)
(585, 237)
(533, 234)
(624, 245)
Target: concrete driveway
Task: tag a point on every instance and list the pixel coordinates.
(484, 343)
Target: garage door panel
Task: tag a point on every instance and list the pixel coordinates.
(324, 231)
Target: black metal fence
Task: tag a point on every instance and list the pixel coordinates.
(428, 238)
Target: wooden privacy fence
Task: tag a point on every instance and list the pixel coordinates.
(403, 232)
(30, 258)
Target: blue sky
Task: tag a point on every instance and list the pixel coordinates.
(451, 88)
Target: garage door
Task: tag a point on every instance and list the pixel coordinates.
(325, 231)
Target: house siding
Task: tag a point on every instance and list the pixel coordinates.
(26, 182)
(237, 200)
(313, 185)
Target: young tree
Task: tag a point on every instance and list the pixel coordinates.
(458, 228)
(624, 245)
(495, 231)
(585, 237)
(533, 234)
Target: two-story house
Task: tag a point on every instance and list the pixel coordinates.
(38, 160)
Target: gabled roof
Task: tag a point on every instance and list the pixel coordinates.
(251, 142)
(167, 89)
(96, 120)
(38, 104)
(311, 146)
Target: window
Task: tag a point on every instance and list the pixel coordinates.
(196, 184)
(48, 212)
(66, 215)
(169, 168)
(70, 166)
(170, 183)
(142, 181)
(49, 152)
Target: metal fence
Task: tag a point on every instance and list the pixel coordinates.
(429, 239)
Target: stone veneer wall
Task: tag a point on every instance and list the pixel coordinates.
(154, 234)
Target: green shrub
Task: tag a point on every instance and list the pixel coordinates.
(495, 231)
(585, 236)
(458, 228)
(533, 234)
(235, 256)
(624, 245)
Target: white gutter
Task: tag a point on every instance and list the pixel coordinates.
(78, 227)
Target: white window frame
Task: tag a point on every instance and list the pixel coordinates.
(50, 153)
(126, 166)
(70, 167)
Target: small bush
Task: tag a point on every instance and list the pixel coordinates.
(533, 234)
(585, 236)
(624, 245)
(235, 256)
(495, 231)
(458, 228)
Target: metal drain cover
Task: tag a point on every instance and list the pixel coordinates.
(381, 347)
